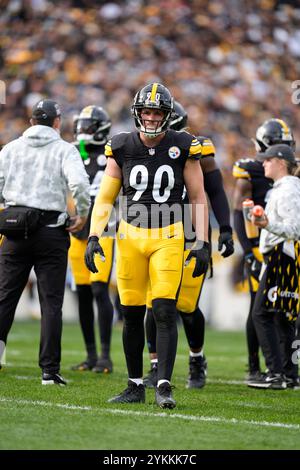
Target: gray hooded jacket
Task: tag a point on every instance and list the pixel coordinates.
(38, 169)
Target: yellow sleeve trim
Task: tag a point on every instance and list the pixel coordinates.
(108, 150)
(195, 150)
(208, 148)
(238, 172)
(108, 192)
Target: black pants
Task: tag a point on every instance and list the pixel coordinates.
(275, 335)
(46, 250)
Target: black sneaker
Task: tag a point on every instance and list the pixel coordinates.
(198, 371)
(255, 375)
(132, 394)
(103, 365)
(271, 381)
(88, 364)
(53, 379)
(293, 382)
(150, 381)
(163, 396)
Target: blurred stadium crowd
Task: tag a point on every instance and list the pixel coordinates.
(230, 63)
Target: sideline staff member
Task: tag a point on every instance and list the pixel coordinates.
(152, 165)
(36, 170)
(277, 300)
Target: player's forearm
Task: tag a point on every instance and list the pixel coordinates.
(213, 183)
(108, 192)
(239, 226)
(200, 216)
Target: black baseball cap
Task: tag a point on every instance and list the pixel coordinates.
(282, 151)
(45, 109)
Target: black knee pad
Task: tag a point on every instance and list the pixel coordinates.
(99, 289)
(164, 311)
(187, 318)
(85, 295)
(83, 289)
(133, 315)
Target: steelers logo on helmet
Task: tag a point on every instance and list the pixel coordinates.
(174, 152)
(271, 132)
(92, 125)
(152, 96)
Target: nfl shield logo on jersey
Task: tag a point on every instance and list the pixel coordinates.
(174, 152)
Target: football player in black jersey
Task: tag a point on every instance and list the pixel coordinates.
(152, 165)
(190, 288)
(252, 183)
(91, 130)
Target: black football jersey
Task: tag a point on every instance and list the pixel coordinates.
(152, 177)
(207, 150)
(253, 171)
(94, 161)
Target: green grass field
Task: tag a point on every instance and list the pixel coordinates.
(224, 415)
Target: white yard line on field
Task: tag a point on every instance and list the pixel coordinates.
(226, 382)
(24, 377)
(211, 419)
(214, 419)
(45, 403)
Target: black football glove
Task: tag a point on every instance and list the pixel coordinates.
(201, 252)
(253, 266)
(92, 248)
(226, 240)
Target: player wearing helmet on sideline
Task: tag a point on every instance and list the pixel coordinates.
(91, 129)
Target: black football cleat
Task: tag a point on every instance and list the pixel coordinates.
(88, 364)
(197, 373)
(163, 396)
(132, 394)
(103, 365)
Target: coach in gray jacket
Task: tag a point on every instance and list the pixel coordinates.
(36, 171)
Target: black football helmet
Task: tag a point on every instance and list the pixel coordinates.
(179, 117)
(271, 132)
(154, 96)
(92, 125)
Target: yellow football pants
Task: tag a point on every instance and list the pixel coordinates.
(79, 270)
(149, 255)
(190, 289)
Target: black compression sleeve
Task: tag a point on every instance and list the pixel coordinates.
(239, 226)
(213, 184)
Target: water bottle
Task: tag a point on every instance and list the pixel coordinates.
(251, 229)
